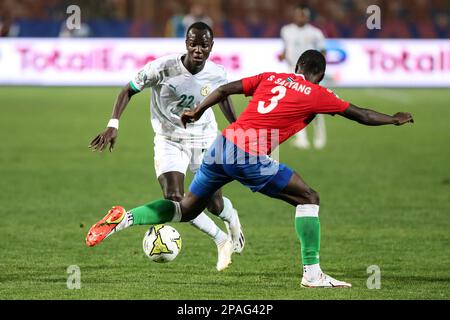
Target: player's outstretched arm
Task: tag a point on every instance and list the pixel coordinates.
(373, 118)
(215, 97)
(101, 141)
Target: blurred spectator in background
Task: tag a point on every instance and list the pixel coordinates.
(175, 26)
(393, 21)
(197, 13)
(298, 37)
(442, 26)
(420, 22)
(8, 27)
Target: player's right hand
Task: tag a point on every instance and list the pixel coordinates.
(101, 141)
(402, 118)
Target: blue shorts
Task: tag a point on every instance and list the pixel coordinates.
(225, 162)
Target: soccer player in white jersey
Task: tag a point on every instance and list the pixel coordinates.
(298, 37)
(179, 82)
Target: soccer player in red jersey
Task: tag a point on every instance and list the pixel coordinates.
(281, 105)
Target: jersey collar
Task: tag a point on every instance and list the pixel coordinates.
(300, 75)
(182, 65)
(186, 70)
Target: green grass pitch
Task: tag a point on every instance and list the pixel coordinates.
(385, 201)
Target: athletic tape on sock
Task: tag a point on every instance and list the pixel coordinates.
(307, 210)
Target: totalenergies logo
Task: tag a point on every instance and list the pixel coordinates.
(101, 58)
(401, 58)
(409, 61)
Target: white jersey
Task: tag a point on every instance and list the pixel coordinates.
(175, 90)
(299, 39)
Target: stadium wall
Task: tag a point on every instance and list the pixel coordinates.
(108, 61)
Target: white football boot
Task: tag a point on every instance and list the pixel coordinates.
(234, 230)
(224, 252)
(324, 281)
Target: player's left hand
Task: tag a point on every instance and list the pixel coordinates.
(402, 118)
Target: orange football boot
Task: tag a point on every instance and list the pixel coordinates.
(105, 226)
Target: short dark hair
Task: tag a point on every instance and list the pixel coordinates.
(302, 7)
(200, 26)
(311, 61)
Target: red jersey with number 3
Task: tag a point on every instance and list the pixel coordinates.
(281, 105)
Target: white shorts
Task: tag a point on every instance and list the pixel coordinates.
(176, 156)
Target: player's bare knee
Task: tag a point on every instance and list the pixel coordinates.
(311, 196)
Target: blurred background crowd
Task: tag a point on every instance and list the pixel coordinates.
(229, 18)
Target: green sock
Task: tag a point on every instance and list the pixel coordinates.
(307, 226)
(155, 212)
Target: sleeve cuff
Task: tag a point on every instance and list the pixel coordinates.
(133, 86)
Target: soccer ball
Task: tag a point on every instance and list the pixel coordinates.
(162, 243)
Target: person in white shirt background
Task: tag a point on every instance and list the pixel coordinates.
(298, 37)
(197, 13)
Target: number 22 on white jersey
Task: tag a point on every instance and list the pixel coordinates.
(273, 101)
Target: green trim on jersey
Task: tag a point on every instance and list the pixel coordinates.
(133, 87)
